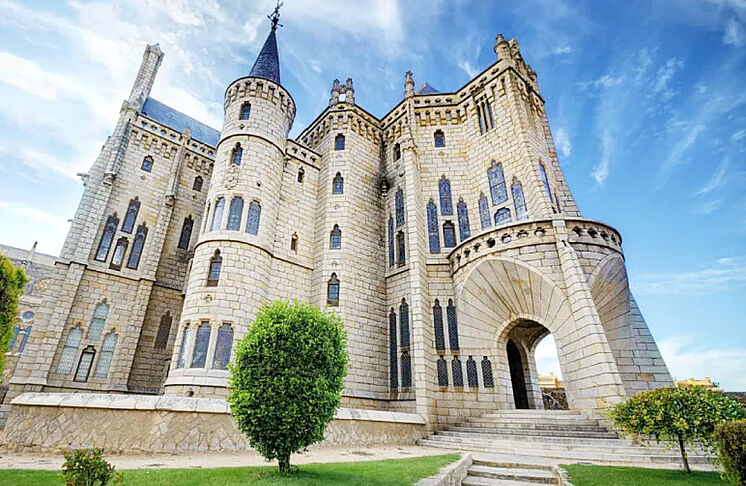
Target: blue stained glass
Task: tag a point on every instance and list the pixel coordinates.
(235, 213)
(498, 189)
(245, 111)
(391, 241)
(217, 215)
(502, 216)
(521, 212)
(463, 220)
(432, 227)
(449, 235)
(338, 184)
(339, 142)
(237, 153)
(137, 247)
(440, 342)
(399, 208)
(335, 238)
(252, 220)
(129, 218)
(404, 323)
(201, 344)
(484, 211)
(545, 180)
(393, 359)
(452, 325)
(446, 204)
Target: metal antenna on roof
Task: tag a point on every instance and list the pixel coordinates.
(274, 17)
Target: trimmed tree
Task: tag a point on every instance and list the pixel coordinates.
(731, 443)
(12, 281)
(681, 415)
(287, 377)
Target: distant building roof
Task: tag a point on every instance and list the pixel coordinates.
(267, 64)
(178, 121)
(426, 89)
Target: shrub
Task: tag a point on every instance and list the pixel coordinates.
(286, 379)
(87, 467)
(682, 415)
(731, 446)
(12, 281)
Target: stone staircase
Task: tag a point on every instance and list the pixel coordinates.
(557, 435)
(487, 470)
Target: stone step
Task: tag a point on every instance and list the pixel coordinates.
(536, 412)
(514, 473)
(593, 434)
(506, 436)
(611, 445)
(479, 481)
(533, 426)
(536, 420)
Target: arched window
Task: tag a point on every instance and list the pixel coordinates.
(440, 341)
(463, 220)
(84, 365)
(335, 238)
(471, 373)
(392, 258)
(502, 216)
(399, 202)
(496, 178)
(201, 344)
(442, 372)
(440, 138)
(24, 334)
(182, 347)
(393, 350)
(147, 163)
(137, 247)
(339, 142)
(446, 204)
(217, 215)
(521, 212)
(294, 242)
(433, 233)
(98, 321)
(164, 330)
(484, 114)
(223, 348)
(401, 249)
(197, 184)
(449, 235)
(457, 372)
(186, 233)
(332, 291)
(397, 151)
(107, 238)
(545, 180)
(404, 324)
(70, 350)
(129, 218)
(301, 173)
(452, 325)
(236, 155)
(213, 275)
(489, 381)
(106, 356)
(406, 370)
(484, 211)
(234, 214)
(245, 111)
(252, 220)
(119, 251)
(338, 184)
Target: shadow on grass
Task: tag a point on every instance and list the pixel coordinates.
(583, 475)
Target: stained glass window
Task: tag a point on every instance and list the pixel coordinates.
(545, 180)
(98, 322)
(332, 291)
(339, 142)
(147, 164)
(223, 348)
(489, 381)
(471, 373)
(484, 211)
(338, 184)
(186, 233)
(393, 359)
(234, 214)
(446, 204)
(129, 218)
(137, 247)
(496, 178)
(440, 341)
(245, 111)
(213, 274)
(106, 356)
(442, 371)
(24, 338)
(440, 138)
(182, 347)
(463, 220)
(84, 365)
(452, 325)
(521, 213)
(201, 344)
(502, 216)
(457, 372)
(107, 237)
(69, 351)
(335, 238)
(236, 155)
(449, 235)
(392, 258)
(217, 215)
(433, 232)
(252, 220)
(406, 370)
(401, 249)
(197, 184)
(399, 208)
(119, 250)
(404, 324)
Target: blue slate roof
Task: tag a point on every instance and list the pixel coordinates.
(427, 89)
(178, 121)
(267, 65)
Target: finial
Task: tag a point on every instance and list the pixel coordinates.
(274, 17)
(408, 84)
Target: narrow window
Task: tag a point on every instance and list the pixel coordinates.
(129, 218)
(24, 335)
(484, 211)
(463, 220)
(479, 117)
(234, 214)
(446, 203)
(98, 321)
(399, 208)
(137, 247)
(84, 365)
(186, 233)
(294, 242)
(484, 115)
(489, 381)
(502, 216)
(433, 233)
(393, 349)
(338, 184)
(335, 238)
(332, 291)
(545, 180)
(498, 189)
(197, 184)
(16, 331)
(521, 213)
(69, 351)
(401, 249)
(449, 235)
(442, 372)
(397, 152)
(147, 164)
(301, 173)
(119, 251)
(406, 370)
(471, 373)
(404, 324)
(106, 356)
(236, 155)
(440, 341)
(223, 345)
(207, 213)
(452, 325)
(182, 347)
(489, 114)
(213, 276)
(392, 258)
(440, 138)
(245, 111)
(217, 215)
(107, 238)
(164, 331)
(557, 200)
(339, 142)
(252, 220)
(457, 372)
(201, 344)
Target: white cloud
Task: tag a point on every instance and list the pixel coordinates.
(546, 357)
(33, 214)
(562, 141)
(717, 177)
(739, 135)
(602, 170)
(561, 50)
(686, 357)
(733, 34)
(724, 275)
(663, 78)
(468, 68)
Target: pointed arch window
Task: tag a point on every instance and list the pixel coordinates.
(393, 349)
(484, 211)
(164, 331)
(502, 216)
(496, 178)
(487, 378)
(332, 291)
(452, 326)
(440, 138)
(406, 370)
(129, 218)
(106, 356)
(119, 250)
(339, 142)
(70, 350)
(433, 232)
(471, 373)
(217, 215)
(457, 372)
(464, 228)
(245, 111)
(201, 344)
(213, 275)
(442, 372)
(338, 184)
(235, 213)
(294, 242)
(545, 180)
(335, 238)
(147, 163)
(449, 235)
(137, 247)
(397, 152)
(446, 202)
(24, 335)
(236, 154)
(104, 245)
(392, 258)
(399, 202)
(84, 365)
(404, 324)
(197, 184)
(401, 249)
(521, 213)
(222, 355)
(182, 347)
(186, 233)
(252, 220)
(98, 322)
(440, 341)
(301, 174)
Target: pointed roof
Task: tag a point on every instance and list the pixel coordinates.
(267, 64)
(427, 89)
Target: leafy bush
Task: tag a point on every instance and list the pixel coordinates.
(287, 378)
(731, 445)
(87, 467)
(682, 415)
(12, 281)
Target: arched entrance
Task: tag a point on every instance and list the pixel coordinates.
(517, 378)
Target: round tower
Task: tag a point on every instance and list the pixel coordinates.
(232, 259)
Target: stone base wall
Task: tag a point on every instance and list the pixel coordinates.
(53, 422)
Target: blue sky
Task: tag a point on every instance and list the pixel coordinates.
(646, 100)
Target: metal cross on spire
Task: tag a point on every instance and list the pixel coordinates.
(274, 17)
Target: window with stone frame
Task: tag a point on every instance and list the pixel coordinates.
(433, 232)
(201, 345)
(397, 152)
(335, 238)
(449, 235)
(301, 174)
(392, 258)
(457, 372)
(439, 138)
(236, 154)
(338, 184)
(401, 249)
(294, 242)
(84, 364)
(70, 351)
(404, 324)
(339, 142)
(235, 214)
(496, 179)
(197, 184)
(446, 202)
(484, 114)
(186, 233)
(521, 212)
(464, 229)
(545, 180)
(245, 112)
(223, 345)
(23, 336)
(252, 219)
(213, 273)
(440, 341)
(137, 247)
(489, 381)
(147, 163)
(119, 250)
(164, 331)
(484, 212)
(393, 351)
(104, 245)
(399, 203)
(557, 200)
(502, 216)
(217, 215)
(106, 356)
(98, 321)
(332, 291)
(472, 378)
(131, 215)
(406, 370)
(442, 368)
(180, 362)
(452, 326)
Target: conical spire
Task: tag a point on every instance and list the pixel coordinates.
(267, 64)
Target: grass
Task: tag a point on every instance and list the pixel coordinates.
(582, 475)
(398, 472)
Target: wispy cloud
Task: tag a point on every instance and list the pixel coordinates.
(562, 50)
(687, 357)
(724, 274)
(33, 214)
(734, 33)
(717, 177)
(738, 135)
(562, 141)
(468, 68)
(663, 78)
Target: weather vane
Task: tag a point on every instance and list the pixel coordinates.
(275, 16)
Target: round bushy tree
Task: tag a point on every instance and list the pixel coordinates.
(681, 415)
(287, 378)
(12, 281)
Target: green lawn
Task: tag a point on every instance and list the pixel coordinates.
(581, 475)
(373, 473)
